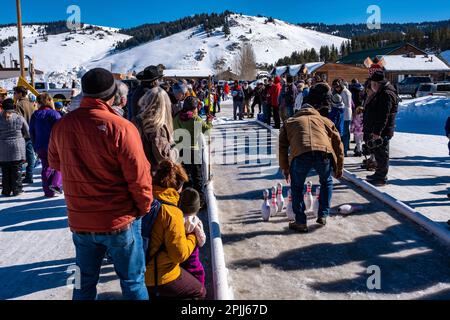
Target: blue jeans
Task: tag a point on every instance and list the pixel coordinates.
(300, 168)
(126, 251)
(289, 111)
(346, 136)
(30, 159)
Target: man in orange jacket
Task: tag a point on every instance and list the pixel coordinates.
(107, 185)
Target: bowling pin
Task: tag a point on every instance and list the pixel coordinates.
(280, 199)
(289, 209)
(265, 208)
(316, 202)
(309, 199)
(273, 204)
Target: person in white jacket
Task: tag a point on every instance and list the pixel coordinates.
(340, 88)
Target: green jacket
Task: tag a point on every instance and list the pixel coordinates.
(195, 126)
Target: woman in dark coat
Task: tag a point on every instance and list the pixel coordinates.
(13, 131)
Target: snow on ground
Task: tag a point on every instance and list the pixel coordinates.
(268, 261)
(425, 115)
(194, 50)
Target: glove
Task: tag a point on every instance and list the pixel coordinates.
(200, 234)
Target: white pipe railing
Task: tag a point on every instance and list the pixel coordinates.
(222, 290)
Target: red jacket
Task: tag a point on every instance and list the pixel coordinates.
(275, 91)
(106, 176)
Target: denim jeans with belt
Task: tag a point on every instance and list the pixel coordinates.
(126, 251)
(300, 168)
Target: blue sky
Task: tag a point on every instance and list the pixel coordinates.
(126, 13)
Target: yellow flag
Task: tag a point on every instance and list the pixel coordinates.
(23, 83)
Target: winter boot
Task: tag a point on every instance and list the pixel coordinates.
(302, 228)
(322, 221)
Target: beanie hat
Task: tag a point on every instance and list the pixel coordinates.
(189, 201)
(99, 83)
(190, 103)
(337, 99)
(179, 88)
(319, 96)
(59, 105)
(8, 104)
(377, 76)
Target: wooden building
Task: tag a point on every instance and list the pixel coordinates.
(331, 71)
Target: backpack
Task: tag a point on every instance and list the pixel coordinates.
(148, 221)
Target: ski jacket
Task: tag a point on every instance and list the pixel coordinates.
(274, 92)
(41, 124)
(106, 176)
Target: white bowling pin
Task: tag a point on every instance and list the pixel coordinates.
(289, 209)
(309, 199)
(316, 202)
(265, 208)
(280, 199)
(273, 204)
(349, 209)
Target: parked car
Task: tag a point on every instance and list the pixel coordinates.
(410, 85)
(434, 89)
(64, 95)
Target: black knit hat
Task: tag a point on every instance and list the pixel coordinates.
(190, 103)
(319, 96)
(378, 76)
(151, 73)
(99, 83)
(8, 104)
(189, 201)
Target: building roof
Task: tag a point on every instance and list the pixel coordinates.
(359, 57)
(173, 73)
(294, 69)
(417, 63)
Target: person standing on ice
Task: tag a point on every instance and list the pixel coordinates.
(107, 185)
(155, 125)
(13, 132)
(274, 92)
(308, 141)
(26, 108)
(340, 88)
(379, 124)
(41, 124)
(149, 79)
(238, 101)
(288, 96)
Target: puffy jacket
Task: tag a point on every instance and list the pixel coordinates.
(308, 131)
(12, 134)
(274, 92)
(41, 125)
(380, 112)
(106, 176)
(169, 235)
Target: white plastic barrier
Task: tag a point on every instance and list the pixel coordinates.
(410, 213)
(222, 290)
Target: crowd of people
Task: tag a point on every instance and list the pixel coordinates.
(116, 156)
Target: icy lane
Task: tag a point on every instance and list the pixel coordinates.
(266, 260)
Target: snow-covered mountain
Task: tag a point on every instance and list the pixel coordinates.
(69, 55)
(193, 49)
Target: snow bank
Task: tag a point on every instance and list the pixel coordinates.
(425, 115)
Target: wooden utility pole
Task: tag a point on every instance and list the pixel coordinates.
(20, 36)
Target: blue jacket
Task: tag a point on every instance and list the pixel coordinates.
(41, 125)
(337, 116)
